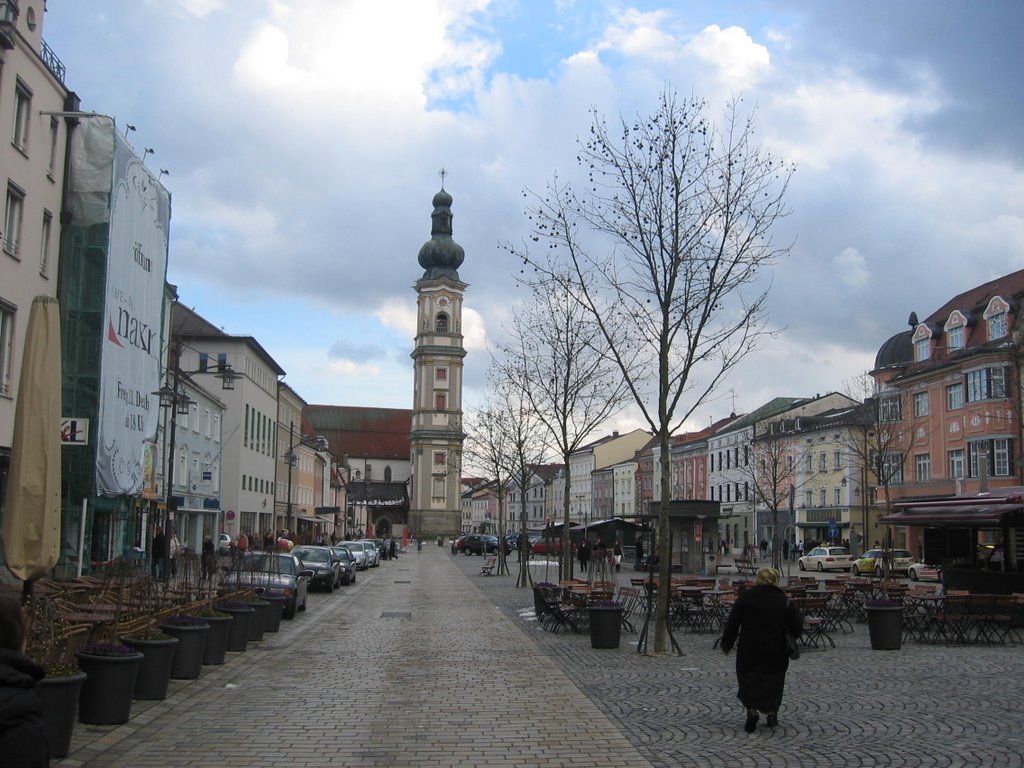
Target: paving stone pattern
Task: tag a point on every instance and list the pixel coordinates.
(921, 706)
(425, 662)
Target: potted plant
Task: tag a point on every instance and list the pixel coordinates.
(190, 632)
(111, 669)
(605, 623)
(158, 651)
(238, 633)
(51, 642)
(216, 646)
(885, 624)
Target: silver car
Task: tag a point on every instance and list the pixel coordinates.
(358, 550)
(372, 553)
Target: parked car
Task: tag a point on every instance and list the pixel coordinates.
(225, 543)
(921, 571)
(358, 552)
(541, 547)
(347, 562)
(274, 574)
(826, 559)
(372, 553)
(324, 565)
(871, 562)
(479, 544)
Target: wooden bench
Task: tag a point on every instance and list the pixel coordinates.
(744, 565)
(488, 567)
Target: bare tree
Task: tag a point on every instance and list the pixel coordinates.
(556, 358)
(774, 472)
(666, 247)
(505, 440)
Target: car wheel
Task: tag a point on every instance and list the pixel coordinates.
(330, 586)
(912, 573)
(853, 570)
(289, 611)
(821, 568)
(800, 565)
(467, 551)
(878, 571)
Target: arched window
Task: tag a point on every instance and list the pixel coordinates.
(387, 474)
(441, 323)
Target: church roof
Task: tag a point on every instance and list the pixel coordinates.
(376, 433)
(441, 256)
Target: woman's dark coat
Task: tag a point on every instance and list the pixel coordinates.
(760, 617)
(22, 736)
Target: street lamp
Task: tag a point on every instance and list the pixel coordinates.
(178, 401)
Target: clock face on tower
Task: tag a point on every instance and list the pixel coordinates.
(443, 302)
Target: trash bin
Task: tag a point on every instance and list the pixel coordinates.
(711, 564)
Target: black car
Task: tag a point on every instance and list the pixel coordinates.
(479, 544)
(324, 565)
(347, 562)
(274, 574)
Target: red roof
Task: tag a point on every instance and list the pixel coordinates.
(376, 433)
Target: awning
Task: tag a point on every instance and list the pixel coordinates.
(314, 520)
(961, 515)
(826, 524)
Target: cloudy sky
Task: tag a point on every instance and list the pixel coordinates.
(303, 140)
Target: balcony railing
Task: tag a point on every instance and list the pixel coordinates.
(55, 65)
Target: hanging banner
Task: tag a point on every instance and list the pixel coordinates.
(114, 187)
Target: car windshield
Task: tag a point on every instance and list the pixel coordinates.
(354, 546)
(838, 551)
(314, 555)
(342, 554)
(259, 561)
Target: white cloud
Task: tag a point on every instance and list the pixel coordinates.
(640, 34)
(398, 315)
(852, 268)
(201, 8)
(739, 61)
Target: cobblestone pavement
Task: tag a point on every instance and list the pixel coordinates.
(925, 705)
(411, 666)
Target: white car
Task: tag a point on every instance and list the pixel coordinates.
(372, 553)
(919, 571)
(225, 543)
(826, 559)
(358, 550)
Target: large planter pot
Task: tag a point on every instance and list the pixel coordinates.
(259, 619)
(885, 627)
(605, 627)
(155, 670)
(59, 696)
(238, 633)
(216, 646)
(188, 658)
(106, 697)
(275, 610)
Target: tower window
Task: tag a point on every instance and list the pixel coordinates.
(440, 401)
(441, 323)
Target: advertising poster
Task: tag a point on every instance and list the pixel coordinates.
(130, 368)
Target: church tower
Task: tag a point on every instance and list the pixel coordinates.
(435, 507)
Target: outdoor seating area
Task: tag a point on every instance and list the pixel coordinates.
(831, 608)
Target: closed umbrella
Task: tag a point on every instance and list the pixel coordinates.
(30, 529)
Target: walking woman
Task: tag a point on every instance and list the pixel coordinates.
(761, 617)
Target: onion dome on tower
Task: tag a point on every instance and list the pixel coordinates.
(441, 256)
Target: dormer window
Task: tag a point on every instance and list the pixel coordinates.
(922, 343)
(995, 314)
(954, 329)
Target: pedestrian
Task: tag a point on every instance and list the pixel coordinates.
(583, 553)
(785, 549)
(176, 550)
(638, 554)
(159, 554)
(764, 548)
(22, 733)
(419, 545)
(242, 544)
(761, 617)
(393, 548)
(617, 554)
(208, 557)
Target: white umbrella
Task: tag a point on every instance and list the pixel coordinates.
(30, 529)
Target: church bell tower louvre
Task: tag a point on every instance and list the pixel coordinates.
(436, 437)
